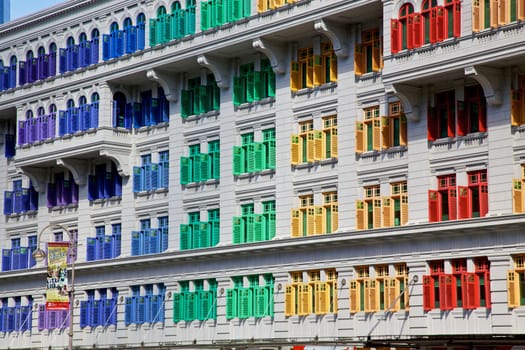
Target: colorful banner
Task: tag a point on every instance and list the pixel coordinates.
(57, 297)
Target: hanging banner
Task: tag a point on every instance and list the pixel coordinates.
(57, 297)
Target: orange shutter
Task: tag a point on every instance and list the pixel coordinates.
(376, 142)
(521, 9)
(377, 213)
(388, 212)
(494, 13)
(477, 19)
(359, 60)
(289, 301)
(294, 76)
(322, 298)
(403, 137)
(310, 72)
(392, 290)
(516, 112)
(319, 152)
(513, 289)
(333, 142)
(295, 150)
(504, 12)
(335, 217)
(355, 296)
(319, 220)
(359, 137)
(371, 295)
(386, 132)
(376, 56)
(518, 197)
(360, 215)
(318, 71)
(404, 209)
(296, 223)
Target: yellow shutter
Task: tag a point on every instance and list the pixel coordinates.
(518, 196)
(319, 152)
(333, 67)
(376, 56)
(494, 13)
(392, 290)
(477, 17)
(310, 220)
(388, 212)
(261, 6)
(296, 223)
(521, 9)
(355, 296)
(310, 72)
(513, 289)
(335, 217)
(295, 150)
(310, 146)
(377, 213)
(295, 80)
(333, 296)
(386, 132)
(403, 137)
(333, 142)
(360, 214)
(319, 220)
(404, 209)
(305, 299)
(359, 60)
(516, 111)
(376, 131)
(322, 298)
(289, 301)
(318, 71)
(504, 12)
(359, 137)
(371, 295)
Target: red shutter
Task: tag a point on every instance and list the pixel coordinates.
(451, 118)
(457, 19)
(452, 205)
(483, 200)
(487, 289)
(434, 206)
(395, 42)
(441, 24)
(447, 291)
(433, 25)
(470, 290)
(482, 112)
(428, 293)
(464, 203)
(418, 29)
(410, 31)
(432, 124)
(462, 120)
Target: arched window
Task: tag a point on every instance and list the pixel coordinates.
(41, 51)
(13, 61)
(52, 109)
(29, 114)
(406, 33)
(70, 42)
(190, 3)
(52, 48)
(82, 101)
(95, 33)
(82, 38)
(70, 104)
(128, 23)
(40, 111)
(95, 97)
(1, 65)
(114, 27)
(161, 11)
(141, 18)
(29, 56)
(175, 6)
(453, 10)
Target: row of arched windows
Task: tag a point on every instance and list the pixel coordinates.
(82, 101)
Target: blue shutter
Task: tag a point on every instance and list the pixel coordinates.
(137, 179)
(90, 248)
(6, 259)
(119, 49)
(62, 123)
(93, 116)
(164, 239)
(8, 202)
(84, 313)
(94, 51)
(22, 73)
(145, 235)
(23, 257)
(141, 309)
(62, 60)
(42, 318)
(117, 242)
(106, 47)
(147, 171)
(15, 258)
(141, 36)
(92, 188)
(108, 247)
(135, 243)
(155, 176)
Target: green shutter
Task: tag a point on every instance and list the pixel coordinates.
(236, 10)
(186, 103)
(185, 170)
(261, 302)
(271, 83)
(192, 303)
(196, 236)
(237, 91)
(258, 86)
(271, 154)
(216, 98)
(245, 302)
(231, 303)
(238, 160)
(250, 158)
(204, 231)
(246, 8)
(260, 156)
(203, 103)
(177, 307)
(250, 227)
(205, 166)
(238, 229)
(250, 87)
(259, 227)
(196, 167)
(205, 15)
(270, 226)
(152, 32)
(185, 237)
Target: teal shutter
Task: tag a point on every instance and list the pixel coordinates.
(245, 302)
(246, 8)
(152, 32)
(237, 91)
(203, 101)
(261, 302)
(204, 15)
(271, 154)
(204, 232)
(250, 228)
(185, 237)
(167, 28)
(205, 166)
(236, 10)
(270, 226)
(185, 171)
(186, 103)
(231, 303)
(177, 307)
(216, 100)
(238, 160)
(259, 227)
(250, 86)
(271, 83)
(196, 236)
(238, 229)
(259, 156)
(258, 86)
(250, 158)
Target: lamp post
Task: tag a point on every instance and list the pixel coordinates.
(40, 255)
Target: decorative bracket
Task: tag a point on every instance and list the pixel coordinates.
(168, 83)
(490, 79)
(120, 158)
(37, 176)
(275, 53)
(220, 67)
(79, 169)
(409, 97)
(337, 34)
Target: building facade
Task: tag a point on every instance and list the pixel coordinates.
(266, 174)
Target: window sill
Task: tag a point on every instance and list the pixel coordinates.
(62, 207)
(23, 213)
(199, 183)
(209, 114)
(315, 163)
(262, 101)
(255, 173)
(391, 150)
(368, 75)
(147, 128)
(104, 200)
(309, 91)
(469, 138)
